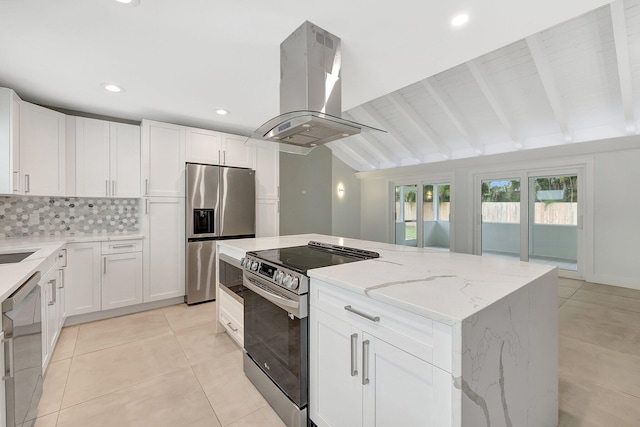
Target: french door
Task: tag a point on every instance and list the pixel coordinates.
(532, 216)
(422, 214)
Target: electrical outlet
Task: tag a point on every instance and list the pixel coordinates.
(34, 219)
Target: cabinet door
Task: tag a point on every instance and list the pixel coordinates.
(267, 218)
(124, 160)
(121, 280)
(3, 403)
(61, 298)
(162, 159)
(48, 285)
(92, 158)
(9, 142)
(267, 171)
(235, 152)
(402, 389)
(164, 247)
(42, 150)
(83, 278)
(335, 384)
(204, 146)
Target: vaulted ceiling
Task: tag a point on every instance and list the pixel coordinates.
(577, 81)
(436, 90)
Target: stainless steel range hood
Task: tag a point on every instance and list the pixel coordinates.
(310, 93)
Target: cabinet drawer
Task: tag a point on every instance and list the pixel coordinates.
(417, 335)
(121, 246)
(234, 328)
(232, 307)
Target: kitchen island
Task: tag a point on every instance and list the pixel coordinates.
(459, 340)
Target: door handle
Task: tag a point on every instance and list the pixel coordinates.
(104, 265)
(146, 206)
(146, 186)
(27, 183)
(354, 355)
(52, 282)
(218, 156)
(113, 188)
(231, 326)
(16, 181)
(224, 157)
(365, 362)
(61, 278)
(106, 188)
(9, 374)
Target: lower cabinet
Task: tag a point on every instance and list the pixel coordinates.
(3, 403)
(164, 248)
(53, 293)
(359, 379)
(103, 276)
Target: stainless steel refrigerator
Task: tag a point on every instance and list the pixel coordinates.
(220, 205)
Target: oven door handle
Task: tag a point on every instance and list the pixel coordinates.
(284, 303)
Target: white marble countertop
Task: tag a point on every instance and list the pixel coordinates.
(14, 274)
(443, 286)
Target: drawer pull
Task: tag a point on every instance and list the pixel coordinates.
(231, 326)
(365, 362)
(362, 314)
(123, 246)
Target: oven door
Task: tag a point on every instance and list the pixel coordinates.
(276, 334)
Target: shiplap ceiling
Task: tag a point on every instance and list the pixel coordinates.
(550, 81)
(577, 81)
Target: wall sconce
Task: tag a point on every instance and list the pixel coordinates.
(429, 196)
(340, 190)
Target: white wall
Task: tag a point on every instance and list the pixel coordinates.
(610, 241)
(345, 210)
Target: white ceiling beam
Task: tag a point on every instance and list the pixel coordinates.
(374, 145)
(394, 133)
(348, 159)
(478, 75)
(351, 145)
(543, 65)
(452, 112)
(621, 41)
(419, 123)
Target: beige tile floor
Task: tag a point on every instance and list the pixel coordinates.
(167, 367)
(164, 367)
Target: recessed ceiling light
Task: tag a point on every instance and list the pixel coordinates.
(111, 87)
(460, 19)
(131, 3)
(222, 111)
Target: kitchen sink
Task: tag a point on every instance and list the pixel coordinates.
(14, 257)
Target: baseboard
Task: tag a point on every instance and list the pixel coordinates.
(122, 311)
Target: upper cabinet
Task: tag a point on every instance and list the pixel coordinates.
(217, 148)
(107, 159)
(42, 151)
(163, 159)
(9, 142)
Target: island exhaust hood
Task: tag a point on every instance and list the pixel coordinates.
(310, 93)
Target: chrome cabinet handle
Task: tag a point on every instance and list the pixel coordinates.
(146, 206)
(231, 326)
(218, 156)
(130, 245)
(106, 187)
(146, 186)
(104, 264)
(27, 183)
(113, 188)
(52, 282)
(362, 314)
(224, 157)
(354, 355)
(16, 181)
(365, 362)
(61, 278)
(9, 374)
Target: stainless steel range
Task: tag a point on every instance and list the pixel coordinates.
(276, 327)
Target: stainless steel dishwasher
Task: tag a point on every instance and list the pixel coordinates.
(22, 326)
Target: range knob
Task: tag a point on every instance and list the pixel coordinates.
(242, 261)
(295, 282)
(279, 276)
(287, 281)
(254, 265)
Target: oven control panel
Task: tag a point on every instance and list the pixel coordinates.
(290, 280)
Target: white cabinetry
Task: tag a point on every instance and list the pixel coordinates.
(373, 372)
(83, 278)
(107, 159)
(217, 148)
(3, 403)
(42, 151)
(9, 142)
(164, 247)
(163, 159)
(121, 274)
(53, 299)
(267, 189)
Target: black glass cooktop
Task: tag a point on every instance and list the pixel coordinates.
(313, 255)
